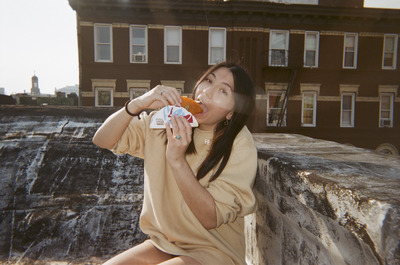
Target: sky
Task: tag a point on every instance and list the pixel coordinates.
(39, 37)
(382, 3)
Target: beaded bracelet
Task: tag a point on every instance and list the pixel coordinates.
(130, 113)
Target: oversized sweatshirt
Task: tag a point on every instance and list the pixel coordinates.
(167, 219)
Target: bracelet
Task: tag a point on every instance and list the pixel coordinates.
(130, 113)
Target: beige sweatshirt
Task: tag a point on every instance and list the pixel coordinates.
(165, 216)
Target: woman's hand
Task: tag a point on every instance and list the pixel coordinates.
(179, 134)
(198, 199)
(115, 125)
(158, 97)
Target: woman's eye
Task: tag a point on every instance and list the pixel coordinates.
(223, 91)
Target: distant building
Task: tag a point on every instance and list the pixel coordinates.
(69, 89)
(6, 100)
(35, 91)
(322, 68)
(64, 96)
(2, 91)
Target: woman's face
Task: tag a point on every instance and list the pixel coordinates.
(216, 94)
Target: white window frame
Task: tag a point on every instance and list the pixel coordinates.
(390, 110)
(283, 50)
(351, 110)
(136, 85)
(97, 44)
(316, 34)
(138, 57)
(354, 50)
(274, 122)
(394, 52)
(139, 90)
(109, 89)
(167, 43)
(314, 109)
(212, 45)
(179, 85)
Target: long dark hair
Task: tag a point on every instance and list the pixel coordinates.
(226, 131)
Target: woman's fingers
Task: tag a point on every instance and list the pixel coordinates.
(168, 95)
(178, 139)
(181, 129)
(158, 97)
(168, 129)
(185, 127)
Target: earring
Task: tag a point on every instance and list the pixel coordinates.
(226, 122)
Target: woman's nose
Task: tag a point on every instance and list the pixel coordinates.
(208, 91)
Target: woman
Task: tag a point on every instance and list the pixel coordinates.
(198, 181)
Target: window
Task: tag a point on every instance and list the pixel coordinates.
(136, 87)
(103, 43)
(216, 45)
(350, 50)
(136, 92)
(103, 92)
(308, 110)
(389, 52)
(172, 45)
(278, 48)
(386, 110)
(178, 84)
(104, 97)
(138, 37)
(347, 110)
(275, 108)
(311, 47)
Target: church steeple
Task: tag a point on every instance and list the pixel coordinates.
(35, 85)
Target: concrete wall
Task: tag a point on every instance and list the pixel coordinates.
(324, 203)
(63, 199)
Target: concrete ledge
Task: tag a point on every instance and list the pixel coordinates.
(324, 203)
(63, 200)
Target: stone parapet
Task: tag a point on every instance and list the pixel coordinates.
(62, 199)
(324, 203)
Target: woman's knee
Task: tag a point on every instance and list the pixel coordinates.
(144, 253)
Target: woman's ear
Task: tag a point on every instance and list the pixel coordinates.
(229, 115)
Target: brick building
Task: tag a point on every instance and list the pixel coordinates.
(326, 69)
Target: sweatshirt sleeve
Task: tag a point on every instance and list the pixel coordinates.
(233, 189)
(132, 140)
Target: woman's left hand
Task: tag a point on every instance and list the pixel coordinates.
(179, 134)
(199, 200)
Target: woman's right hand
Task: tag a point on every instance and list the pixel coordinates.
(158, 97)
(115, 125)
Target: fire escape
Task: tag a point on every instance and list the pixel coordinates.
(279, 59)
(292, 77)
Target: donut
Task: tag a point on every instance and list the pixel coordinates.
(191, 105)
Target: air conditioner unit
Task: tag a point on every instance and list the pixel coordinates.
(138, 57)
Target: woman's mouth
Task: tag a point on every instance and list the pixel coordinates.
(202, 105)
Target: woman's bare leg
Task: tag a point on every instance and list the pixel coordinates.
(142, 254)
(181, 260)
